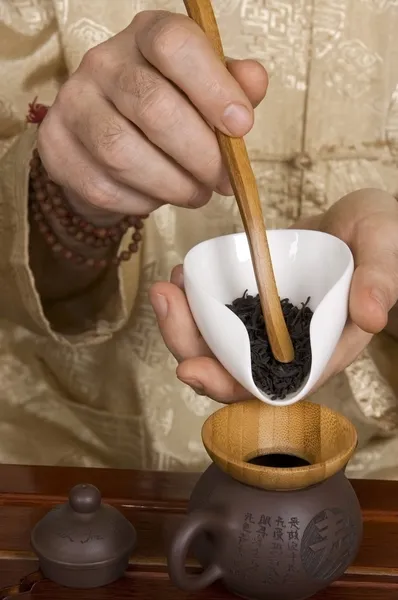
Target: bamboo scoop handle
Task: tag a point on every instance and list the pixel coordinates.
(245, 188)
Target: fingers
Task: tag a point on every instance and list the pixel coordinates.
(72, 167)
(207, 377)
(176, 323)
(252, 77)
(177, 47)
(122, 151)
(374, 243)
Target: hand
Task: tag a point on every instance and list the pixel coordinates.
(132, 127)
(367, 221)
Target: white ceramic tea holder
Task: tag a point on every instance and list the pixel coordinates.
(306, 263)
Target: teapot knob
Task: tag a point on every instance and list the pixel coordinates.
(85, 499)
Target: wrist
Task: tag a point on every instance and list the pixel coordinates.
(92, 214)
(71, 236)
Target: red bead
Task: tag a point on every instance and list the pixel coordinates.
(46, 207)
(101, 232)
(101, 264)
(68, 254)
(52, 188)
(50, 239)
(57, 201)
(60, 211)
(90, 262)
(132, 220)
(125, 255)
(137, 237)
(65, 222)
(57, 247)
(43, 228)
(133, 247)
(40, 196)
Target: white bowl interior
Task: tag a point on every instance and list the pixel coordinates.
(306, 263)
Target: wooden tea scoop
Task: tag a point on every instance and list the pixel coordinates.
(244, 184)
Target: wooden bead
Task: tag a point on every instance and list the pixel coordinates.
(57, 247)
(90, 240)
(60, 211)
(133, 247)
(137, 237)
(125, 255)
(68, 254)
(40, 196)
(101, 232)
(50, 239)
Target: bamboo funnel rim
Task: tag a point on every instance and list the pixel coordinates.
(237, 433)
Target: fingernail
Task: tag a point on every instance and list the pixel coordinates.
(380, 297)
(160, 306)
(195, 385)
(237, 119)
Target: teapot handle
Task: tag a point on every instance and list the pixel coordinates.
(196, 523)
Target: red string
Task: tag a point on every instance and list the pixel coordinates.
(37, 112)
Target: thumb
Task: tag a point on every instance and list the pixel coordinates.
(252, 78)
(371, 297)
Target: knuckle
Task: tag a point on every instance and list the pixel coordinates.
(170, 35)
(156, 108)
(146, 18)
(138, 80)
(199, 197)
(107, 141)
(97, 193)
(96, 59)
(68, 97)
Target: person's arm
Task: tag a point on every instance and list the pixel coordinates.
(40, 291)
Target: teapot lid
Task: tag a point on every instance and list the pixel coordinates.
(83, 533)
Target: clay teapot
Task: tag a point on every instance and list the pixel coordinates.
(274, 517)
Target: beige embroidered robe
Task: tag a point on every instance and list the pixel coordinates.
(109, 396)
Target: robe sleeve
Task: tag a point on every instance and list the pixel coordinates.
(38, 71)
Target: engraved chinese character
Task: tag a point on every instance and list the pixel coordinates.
(249, 518)
(294, 523)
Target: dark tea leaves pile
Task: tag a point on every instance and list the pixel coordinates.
(276, 379)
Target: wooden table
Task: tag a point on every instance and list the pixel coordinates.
(148, 500)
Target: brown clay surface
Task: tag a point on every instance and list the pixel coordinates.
(150, 500)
